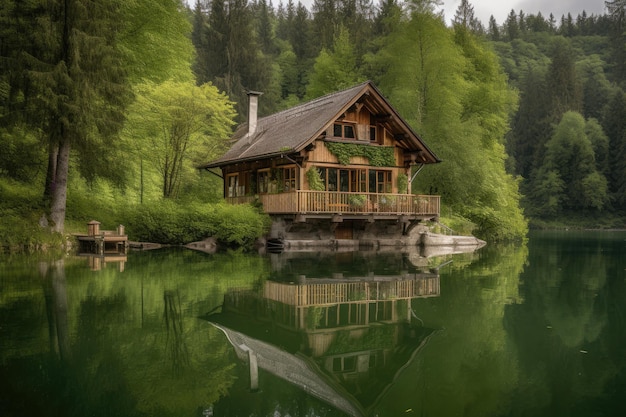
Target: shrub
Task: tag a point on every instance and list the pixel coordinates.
(167, 222)
(357, 200)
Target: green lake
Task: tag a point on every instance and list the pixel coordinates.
(515, 330)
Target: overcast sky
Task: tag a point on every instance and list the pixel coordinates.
(500, 9)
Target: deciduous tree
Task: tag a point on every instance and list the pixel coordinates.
(177, 126)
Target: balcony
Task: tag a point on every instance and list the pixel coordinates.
(353, 204)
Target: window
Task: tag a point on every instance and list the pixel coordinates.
(289, 179)
(263, 181)
(344, 364)
(344, 130)
(233, 185)
(379, 181)
(372, 133)
(345, 180)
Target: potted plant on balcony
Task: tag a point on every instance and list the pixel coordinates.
(357, 200)
(387, 201)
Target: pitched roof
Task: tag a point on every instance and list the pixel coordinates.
(291, 130)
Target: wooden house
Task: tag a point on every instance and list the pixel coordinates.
(331, 168)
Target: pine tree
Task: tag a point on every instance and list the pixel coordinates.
(387, 18)
(464, 15)
(326, 22)
(562, 80)
(571, 154)
(73, 85)
(265, 18)
(531, 126)
(199, 38)
(511, 26)
(494, 30)
(335, 69)
(617, 13)
(614, 124)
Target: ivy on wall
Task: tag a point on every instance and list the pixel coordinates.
(314, 178)
(403, 183)
(379, 156)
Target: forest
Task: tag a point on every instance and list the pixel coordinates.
(106, 108)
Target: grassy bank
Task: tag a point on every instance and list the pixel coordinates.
(581, 221)
(161, 221)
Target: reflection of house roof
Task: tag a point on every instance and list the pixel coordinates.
(293, 129)
(294, 369)
(303, 372)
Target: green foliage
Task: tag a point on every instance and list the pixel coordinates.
(547, 193)
(335, 70)
(456, 95)
(568, 178)
(155, 41)
(459, 224)
(21, 154)
(118, 344)
(175, 126)
(379, 156)
(171, 223)
(357, 200)
(229, 52)
(570, 68)
(20, 209)
(314, 178)
(67, 69)
(403, 183)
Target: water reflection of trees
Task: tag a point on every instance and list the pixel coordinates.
(175, 343)
(133, 338)
(470, 367)
(571, 327)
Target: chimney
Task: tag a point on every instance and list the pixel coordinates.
(253, 106)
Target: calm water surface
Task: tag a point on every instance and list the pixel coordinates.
(535, 330)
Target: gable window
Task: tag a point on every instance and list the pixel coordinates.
(344, 130)
(372, 133)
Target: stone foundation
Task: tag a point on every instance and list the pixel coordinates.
(346, 233)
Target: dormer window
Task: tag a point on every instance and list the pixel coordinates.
(344, 131)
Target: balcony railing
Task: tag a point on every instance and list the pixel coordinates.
(316, 202)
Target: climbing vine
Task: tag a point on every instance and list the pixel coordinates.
(314, 178)
(379, 156)
(403, 183)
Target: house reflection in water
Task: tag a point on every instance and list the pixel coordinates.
(343, 338)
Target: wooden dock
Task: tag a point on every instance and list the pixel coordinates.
(103, 241)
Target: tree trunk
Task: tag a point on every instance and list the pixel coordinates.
(53, 152)
(59, 297)
(59, 193)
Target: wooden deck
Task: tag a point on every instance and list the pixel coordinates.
(321, 202)
(99, 242)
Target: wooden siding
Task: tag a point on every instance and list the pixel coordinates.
(314, 202)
